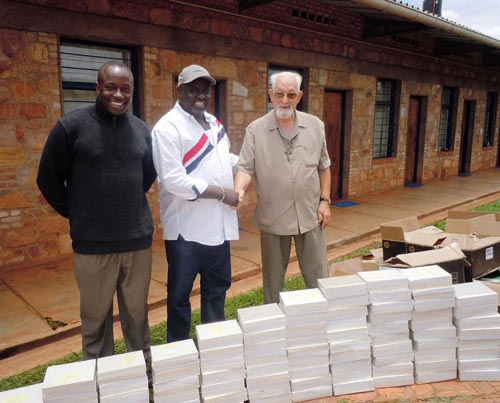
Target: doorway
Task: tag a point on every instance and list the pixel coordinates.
(415, 139)
(334, 107)
(464, 161)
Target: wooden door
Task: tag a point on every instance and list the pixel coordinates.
(412, 140)
(333, 117)
(466, 138)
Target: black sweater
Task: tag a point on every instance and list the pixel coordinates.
(95, 170)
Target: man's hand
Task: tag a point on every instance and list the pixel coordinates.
(241, 195)
(324, 213)
(231, 198)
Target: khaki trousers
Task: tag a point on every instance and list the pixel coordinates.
(275, 250)
(98, 277)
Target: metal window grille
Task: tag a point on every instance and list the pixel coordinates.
(384, 119)
(446, 121)
(490, 118)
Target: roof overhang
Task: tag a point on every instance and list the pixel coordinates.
(390, 17)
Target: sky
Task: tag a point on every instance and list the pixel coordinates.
(480, 15)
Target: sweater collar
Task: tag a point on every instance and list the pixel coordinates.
(104, 115)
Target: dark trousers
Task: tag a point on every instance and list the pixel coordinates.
(186, 260)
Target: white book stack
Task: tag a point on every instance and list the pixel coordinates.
(122, 378)
(307, 343)
(73, 382)
(264, 343)
(176, 372)
(26, 394)
(478, 330)
(388, 314)
(348, 337)
(434, 343)
(222, 362)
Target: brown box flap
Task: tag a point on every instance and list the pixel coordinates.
(469, 225)
(425, 239)
(470, 242)
(485, 228)
(394, 230)
(428, 257)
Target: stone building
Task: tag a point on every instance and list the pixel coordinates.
(407, 96)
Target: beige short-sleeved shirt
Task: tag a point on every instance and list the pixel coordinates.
(287, 192)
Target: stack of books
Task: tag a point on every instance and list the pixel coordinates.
(388, 314)
(307, 343)
(222, 362)
(26, 394)
(348, 337)
(478, 329)
(122, 378)
(434, 343)
(176, 372)
(73, 382)
(264, 342)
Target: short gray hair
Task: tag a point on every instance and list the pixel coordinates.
(275, 76)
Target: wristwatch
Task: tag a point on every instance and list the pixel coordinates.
(325, 199)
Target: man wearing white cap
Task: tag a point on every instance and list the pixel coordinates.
(195, 173)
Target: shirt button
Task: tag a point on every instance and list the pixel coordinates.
(294, 180)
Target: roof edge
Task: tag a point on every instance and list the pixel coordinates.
(432, 20)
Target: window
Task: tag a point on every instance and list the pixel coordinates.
(384, 119)
(447, 123)
(276, 69)
(490, 118)
(80, 62)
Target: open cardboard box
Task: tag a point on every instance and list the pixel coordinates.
(483, 254)
(449, 258)
(478, 235)
(355, 265)
(406, 236)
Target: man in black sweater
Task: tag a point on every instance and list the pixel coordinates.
(95, 170)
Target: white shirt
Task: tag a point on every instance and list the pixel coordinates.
(187, 159)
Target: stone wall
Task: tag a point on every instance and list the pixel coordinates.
(30, 104)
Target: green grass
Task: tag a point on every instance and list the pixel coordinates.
(158, 333)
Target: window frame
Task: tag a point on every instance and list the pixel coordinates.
(392, 124)
(132, 63)
(490, 117)
(451, 108)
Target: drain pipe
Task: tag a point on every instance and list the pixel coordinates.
(403, 10)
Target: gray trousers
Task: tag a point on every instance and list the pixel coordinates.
(275, 250)
(98, 277)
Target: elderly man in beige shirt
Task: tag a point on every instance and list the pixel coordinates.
(285, 152)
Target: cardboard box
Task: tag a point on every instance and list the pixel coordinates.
(354, 265)
(406, 236)
(449, 258)
(483, 254)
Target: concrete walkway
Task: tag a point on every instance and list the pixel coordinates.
(29, 297)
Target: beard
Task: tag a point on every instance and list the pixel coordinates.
(284, 112)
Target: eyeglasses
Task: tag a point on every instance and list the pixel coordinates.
(290, 95)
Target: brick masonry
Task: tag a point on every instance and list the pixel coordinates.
(30, 94)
